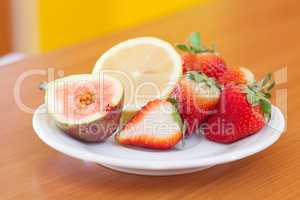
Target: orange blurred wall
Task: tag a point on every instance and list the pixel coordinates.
(45, 25)
(70, 21)
(5, 27)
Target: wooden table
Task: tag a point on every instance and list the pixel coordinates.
(263, 35)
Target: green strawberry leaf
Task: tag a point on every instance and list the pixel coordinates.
(249, 90)
(195, 41)
(177, 118)
(184, 127)
(270, 87)
(268, 116)
(183, 47)
(201, 77)
(266, 79)
(261, 90)
(173, 101)
(194, 45)
(267, 95)
(266, 108)
(195, 76)
(211, 82)
(267, 84)
(252, 99)
(259, 94)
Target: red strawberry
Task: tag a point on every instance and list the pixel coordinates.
(197, 96)
(157, 125)
(239, 75)
(243, 111)
(210, 64)
(201, 59)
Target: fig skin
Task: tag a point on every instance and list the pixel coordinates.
(97, 130)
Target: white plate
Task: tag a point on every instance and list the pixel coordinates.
(197, 154)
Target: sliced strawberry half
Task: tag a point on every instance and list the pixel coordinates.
(157, 125)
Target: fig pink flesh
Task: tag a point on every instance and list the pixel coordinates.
(79, 99)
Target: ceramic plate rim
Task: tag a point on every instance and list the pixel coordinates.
(155, 164)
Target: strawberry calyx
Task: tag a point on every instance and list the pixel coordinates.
(178, 119)
(259, 94)
(194, 45)
(201, 77)
(175, 114)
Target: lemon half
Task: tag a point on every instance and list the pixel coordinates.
(148, 68)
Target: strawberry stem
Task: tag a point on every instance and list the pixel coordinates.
(43, 86)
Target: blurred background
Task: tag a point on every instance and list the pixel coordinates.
(34, 26)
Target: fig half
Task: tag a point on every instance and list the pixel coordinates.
(85, 106)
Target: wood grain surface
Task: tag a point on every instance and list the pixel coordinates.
(262, 35)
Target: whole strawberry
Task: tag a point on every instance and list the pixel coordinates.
(237, 75)
(242, 111)
(201, 59)
(197, 96)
